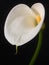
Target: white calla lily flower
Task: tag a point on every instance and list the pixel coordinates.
(23, 23)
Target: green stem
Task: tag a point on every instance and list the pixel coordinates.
(16, 49)
(38, 46)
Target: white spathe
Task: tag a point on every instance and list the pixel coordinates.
(14, 31)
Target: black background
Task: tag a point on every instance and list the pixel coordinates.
(25, 53)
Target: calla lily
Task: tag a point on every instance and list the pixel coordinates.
(23, 23)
